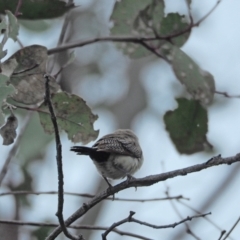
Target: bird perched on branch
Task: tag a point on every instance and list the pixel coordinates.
(115, 155)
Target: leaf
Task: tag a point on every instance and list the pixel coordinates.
(188, 126)
(172, 24)
(5, 91)
(27, 76)
(124, 14)
(73, 116)
(35, 9)
(199, 84)
(13, 26)
(8, 131)
(35, 134)
(3, 27)
(141, 20)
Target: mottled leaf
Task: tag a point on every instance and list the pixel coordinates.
(35, 9)
(188, 126)
(200, 84)
(141, 20)
(27, 76)
(172, 24)
(73, 116)
(125, 13)
(13, 26)
(8, 131)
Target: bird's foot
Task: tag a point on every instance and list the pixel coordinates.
(130, 178)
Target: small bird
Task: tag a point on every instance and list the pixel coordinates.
(115, 155)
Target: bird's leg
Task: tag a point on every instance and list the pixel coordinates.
(109, 185)
(128, 175)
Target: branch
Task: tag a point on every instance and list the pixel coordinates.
(230, 231)
(92, 196)
(41, 224)
(141, 182)
(221, 235)
(137, 40)
(131, 219)
(59, 213)
(225, 94)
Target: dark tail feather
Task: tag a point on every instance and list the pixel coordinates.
(80, 150)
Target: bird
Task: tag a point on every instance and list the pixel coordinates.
(116, 155)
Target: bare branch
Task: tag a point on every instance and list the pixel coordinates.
(17, 13)
(230, 231)
(188, 230)
(221, 235)
(208, 14)
(137, 40)
(225, 94)
(206, 218)
(59, 213)
(141, 182)
(131, 219)
(41, 224)
(92, 196)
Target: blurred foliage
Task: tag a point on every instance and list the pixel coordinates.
(35, 9)
(73, 116)
(41, 232)
(199, 83)
(188, 126)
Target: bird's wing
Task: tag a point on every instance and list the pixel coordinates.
(120, 145)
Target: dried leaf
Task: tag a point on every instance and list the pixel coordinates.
(73, 116)
(8, 131)
(27, 76)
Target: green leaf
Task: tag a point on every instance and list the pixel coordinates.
(73, 116)
(199, 84)
(13, 26)
(35, 134)
(172, 24)
(142, 20)
(35, 9)
(124, 14)
(188, 126)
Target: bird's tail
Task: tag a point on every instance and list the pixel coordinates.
(80, 150)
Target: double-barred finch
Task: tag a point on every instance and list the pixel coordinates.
(115, 155)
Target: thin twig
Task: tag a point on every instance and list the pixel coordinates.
(91, 196)
(206, 218)
(225, 94)
(137, 40)
(208, 14)
(59, 213)
(222, 234)
(44, 112)
(188, 230)
(131, 219)
(141, 182)
(14, 149)
(17, 8)
(230, 231)
(41, 224)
